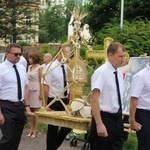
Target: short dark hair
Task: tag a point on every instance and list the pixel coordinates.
(35, 56)
(8, 48)
(113, 47)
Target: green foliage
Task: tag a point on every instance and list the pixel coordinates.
(47, 49)
(52, 24)
(101, 12)
(135, 35)
(44, 49)
(97, 47)
(13, 22)
(22, 43)
(41, 126)
(83, 52)
(136, 8)
(95, 63)
(131, 143)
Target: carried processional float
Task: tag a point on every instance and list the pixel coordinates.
(77, 114)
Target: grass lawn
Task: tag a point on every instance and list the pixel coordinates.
(131, 143)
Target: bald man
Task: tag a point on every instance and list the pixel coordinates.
(47, 58)
(55, 134)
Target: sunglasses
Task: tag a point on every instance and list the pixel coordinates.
(16, 54)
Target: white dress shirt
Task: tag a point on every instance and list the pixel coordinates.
(44, 67)
(55, 79)
(8, 81)
(104, 80)
(140, 88)
(23, 61)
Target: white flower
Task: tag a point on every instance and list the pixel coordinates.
(63, 60)
(75, 29)
(77, 45)
(77, 37)
(76, 80)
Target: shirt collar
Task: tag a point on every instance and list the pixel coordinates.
(112, 69)
(58, 63)
(9, 63)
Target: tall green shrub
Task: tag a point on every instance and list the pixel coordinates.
(135, 36)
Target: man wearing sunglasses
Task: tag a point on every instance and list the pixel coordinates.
(13, 98)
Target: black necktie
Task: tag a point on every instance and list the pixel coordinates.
(64, 77)
(118, 91)
(18, 83)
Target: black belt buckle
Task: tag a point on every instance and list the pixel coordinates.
(18, 103)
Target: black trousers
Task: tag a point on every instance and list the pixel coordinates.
(115, 138)
(55, 134)
(12, 129)
(143, 135)
(126, 120)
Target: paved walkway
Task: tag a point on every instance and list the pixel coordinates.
(39, 143)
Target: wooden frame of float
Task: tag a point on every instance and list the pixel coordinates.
(62, 119)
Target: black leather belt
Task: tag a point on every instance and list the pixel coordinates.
(112, 114)
(143, 110)
(13, 103)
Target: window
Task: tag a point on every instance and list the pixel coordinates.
(28, 40)
(28, 20)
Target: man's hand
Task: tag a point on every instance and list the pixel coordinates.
(2, 119)
(102, 131)
(28, 111)
(135, 125)
(49, 109)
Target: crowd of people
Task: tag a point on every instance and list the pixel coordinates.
(20, 94)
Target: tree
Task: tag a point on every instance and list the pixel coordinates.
(52, 24)
(135, 36)
(101, 12)
(136, 8)
(104, 11)
(17, 18)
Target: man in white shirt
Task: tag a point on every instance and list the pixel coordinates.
(13, 98)
(55, 78)
(106, 97)
(47, 58)
(140, 107)
(22, 60)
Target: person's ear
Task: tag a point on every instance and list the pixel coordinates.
(110, 54)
